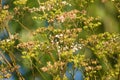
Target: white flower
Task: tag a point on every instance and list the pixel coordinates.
(61, 18)
(57, 36)
(42, 8)
(64, 2)
(61, 35)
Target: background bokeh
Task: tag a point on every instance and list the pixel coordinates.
(24, 24)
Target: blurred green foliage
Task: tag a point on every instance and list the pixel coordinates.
(45, 35)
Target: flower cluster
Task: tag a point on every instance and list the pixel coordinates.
(28, 45)
(103, 42)
(29, 49)
(117, 5)
(5, 72)
(67, 15)
(106, 47)
(4, 14)
(7, 44)
(49, 6)
(91, 22)
(5, 17)
(62, 39)
(52, 68)
(91, 68)
(20, 2)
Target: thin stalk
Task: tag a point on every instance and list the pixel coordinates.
(38, 2)
(5, 59)
(8, 31)
(40, 72)
(23, 26)
(32, 70)
(53, 59)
